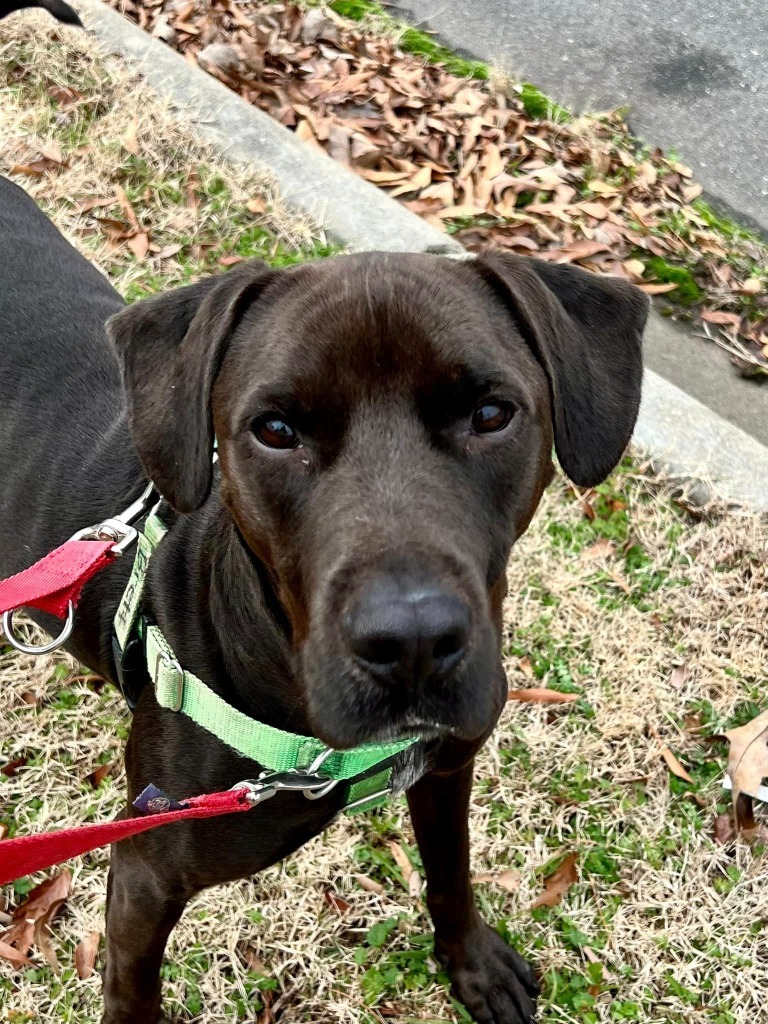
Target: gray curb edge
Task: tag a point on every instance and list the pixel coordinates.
(679, 433)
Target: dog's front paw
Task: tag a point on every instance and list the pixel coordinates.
(493, 981)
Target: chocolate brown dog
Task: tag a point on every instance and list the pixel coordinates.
(385, 424)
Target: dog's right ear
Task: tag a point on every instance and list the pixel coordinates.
(170, 348)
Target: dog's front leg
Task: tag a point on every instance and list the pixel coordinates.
(493, 981)
(141, 913)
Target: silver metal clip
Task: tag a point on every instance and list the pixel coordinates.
(308, 782)
(117, 529)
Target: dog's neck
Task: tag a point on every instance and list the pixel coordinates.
(227, 624)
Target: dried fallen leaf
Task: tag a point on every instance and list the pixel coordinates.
(85, 954)
(724, 831)
(671, 761)
(718, 316)
(679, 676)
(657, 289)
(369, 884)
(753, 286)
(558, 883)
(635, 268)
(526, 667)
(31, 918)
(541, 695)
(600, 549)
(402, 860)
(13, 955)
(10, 769)
(509, 879)
(139, 245)
(335, 902)
(98, 775)
(130, 140)
(747, 765)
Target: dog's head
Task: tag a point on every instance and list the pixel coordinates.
(385, 425)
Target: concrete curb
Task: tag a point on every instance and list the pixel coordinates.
(679, 433)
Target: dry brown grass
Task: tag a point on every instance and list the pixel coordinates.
(664, 912)
(117, 134)
(656, 897)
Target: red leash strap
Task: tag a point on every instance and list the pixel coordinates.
(26, 854)
(58, 578)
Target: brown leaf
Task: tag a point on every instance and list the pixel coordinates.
(35, 170)
(85, 955)
(541, 695)
(671, 761)
(657, 289)
(402, 860)
(718, 316)
(168, 250)
(98, 775)
(558, 883)
(526, 667)
(635, 268)
(509, 879)
(125, 205)
(747, 765)
(36, 912)
(724, 831)
(139, 245)
(369, 884)
(602, 188)
(602, 548)
(13, 955)
(86, 205)
(679, 676)
(335, 902)
(11, 768)
(691, 192)
(252, 960)
(63, 95)
(130, 140)
(753, 286)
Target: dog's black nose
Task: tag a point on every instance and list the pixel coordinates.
(408, 636)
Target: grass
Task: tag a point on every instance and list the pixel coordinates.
(664, 926)
(111, 135)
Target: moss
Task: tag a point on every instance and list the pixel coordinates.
(538, 105)
(728, 228)
(686, 291)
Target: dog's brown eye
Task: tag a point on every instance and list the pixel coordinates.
(491, 417)
(275, 433)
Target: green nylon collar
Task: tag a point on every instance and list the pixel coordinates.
(185, 693)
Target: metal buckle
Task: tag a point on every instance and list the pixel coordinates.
(173, 664)
(118, 528)
(308, 782)
(317, 793)
(52, 645)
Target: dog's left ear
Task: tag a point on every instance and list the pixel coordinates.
(171, 347)
(586, 331)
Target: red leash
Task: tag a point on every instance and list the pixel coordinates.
(58, 578)
(54, 585)
(26, 854)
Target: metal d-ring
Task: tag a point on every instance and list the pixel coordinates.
(315, 794)
(52, 645)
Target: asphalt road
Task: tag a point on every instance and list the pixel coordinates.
(695, 76)
(693, 72)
